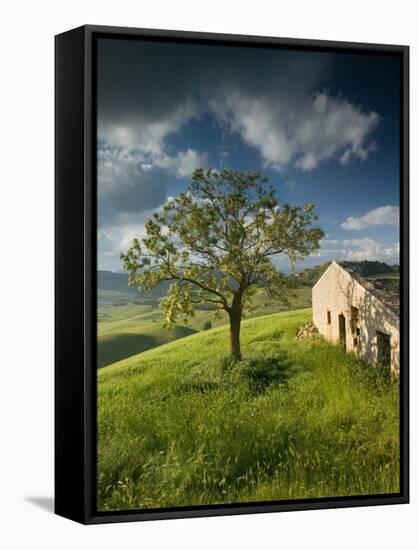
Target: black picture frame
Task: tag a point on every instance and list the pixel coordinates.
(75, 280)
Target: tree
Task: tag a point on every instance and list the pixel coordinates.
(216, 242)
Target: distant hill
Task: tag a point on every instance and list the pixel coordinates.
(310, 275)
(368, 269)
(373, 269)
(117, 282)
(113, 288)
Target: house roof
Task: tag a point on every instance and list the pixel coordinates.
(390, 299)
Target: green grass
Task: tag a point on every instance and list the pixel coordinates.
(128, 329)
(384, 276)
(181, 425)
(105, 297)
(390, 282)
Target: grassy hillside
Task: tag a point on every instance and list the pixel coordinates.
(129, 323)
(128, 329)
(180, 425)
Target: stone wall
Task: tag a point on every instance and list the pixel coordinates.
(344, 310)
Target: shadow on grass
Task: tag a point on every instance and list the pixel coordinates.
(264, 369)
(123, 345)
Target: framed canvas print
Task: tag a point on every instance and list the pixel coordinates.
(231, 274)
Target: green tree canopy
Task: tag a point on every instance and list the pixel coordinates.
(216, 243)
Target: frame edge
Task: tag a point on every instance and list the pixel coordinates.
(69, 275)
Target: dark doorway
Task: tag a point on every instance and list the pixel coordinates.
(342, 329)
(383, 348)
(355, 327)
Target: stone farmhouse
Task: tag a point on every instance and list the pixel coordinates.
(360, 314)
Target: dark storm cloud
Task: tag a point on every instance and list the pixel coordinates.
(137, 189)
(148, 80)
(150, 90)
(131, 180)
(273, 101)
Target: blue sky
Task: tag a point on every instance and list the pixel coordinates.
(323, 127)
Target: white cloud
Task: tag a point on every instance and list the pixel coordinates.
(384, 215)
(370, 249)
(135, 166)
(301, 129)
(128, 233)
(144, 102)
(118, 238)
(359, 249)
(128, 182)
(145, 134)
(190, 160)
(131, 180)
(119, 232)
(184, 163)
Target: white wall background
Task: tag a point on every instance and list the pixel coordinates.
(26, 305)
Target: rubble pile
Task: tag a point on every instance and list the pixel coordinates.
(307, 331)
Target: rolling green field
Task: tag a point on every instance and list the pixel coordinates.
(128, 329)
(182, 425)
(385, 276)
(108, 297)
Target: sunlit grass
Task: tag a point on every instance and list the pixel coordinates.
(181, 425)
(128, 329)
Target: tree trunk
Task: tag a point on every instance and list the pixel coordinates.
(235, 322)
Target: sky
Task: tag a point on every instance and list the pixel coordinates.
(324, 127)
